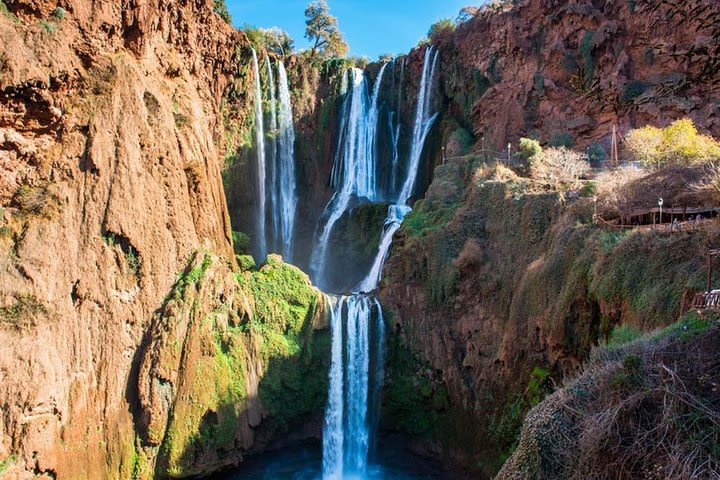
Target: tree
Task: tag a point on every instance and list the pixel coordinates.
(221, 9)
(559, 167)
(678, 144)
(277, 40)
(321, 29)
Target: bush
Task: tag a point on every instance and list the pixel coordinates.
(47, 26)
(559, 167)
(596, 155)
(561, 139)
(633, 90)
(676, 145)
(441, 30)
(221, 9)
(59, 13)
(529, 151)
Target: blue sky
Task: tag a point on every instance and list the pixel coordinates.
(371, 27)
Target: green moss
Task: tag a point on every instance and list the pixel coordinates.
(22, 312)
(4, 464)
(7, 13)
(622, 334)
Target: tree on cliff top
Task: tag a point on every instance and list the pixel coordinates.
(322, 30)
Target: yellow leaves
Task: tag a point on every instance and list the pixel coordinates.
(678, 144)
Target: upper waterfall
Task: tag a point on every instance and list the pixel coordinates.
(261, 244)
(286, 166)
(354, 171)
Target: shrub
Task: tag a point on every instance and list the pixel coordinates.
(559, 167)
(59, 13)
(678, 144)
(596, 154)
(561, 139)
(241, 243)
(633, 90)
(529, 151)
(221, 9)
(47, 26)
(441, 30)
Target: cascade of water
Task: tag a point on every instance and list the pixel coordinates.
(261, 244)
(272, 153)
(286, 161)
(394, 126)
(395, 216)
(333, 435)
(354, 169)
(346, 436)
(422, 124)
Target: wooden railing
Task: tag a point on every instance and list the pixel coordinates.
(707, 301)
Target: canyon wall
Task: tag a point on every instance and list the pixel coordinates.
(495, 285)
(115, 120)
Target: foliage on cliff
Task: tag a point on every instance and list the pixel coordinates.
(504, 280)
(646, 409)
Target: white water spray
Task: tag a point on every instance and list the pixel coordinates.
(260, 147)
(286, 164)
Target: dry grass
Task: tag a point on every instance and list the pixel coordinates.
(650, 410)
(627, 189)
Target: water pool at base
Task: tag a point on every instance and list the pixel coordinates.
(305, 463)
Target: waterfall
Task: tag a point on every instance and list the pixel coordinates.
(394, 127)
(272, 151)
(286, 162)
(395, 216)
(346, 434)
(423, 122)
(261, 247)
(333, 437)
(354, 168)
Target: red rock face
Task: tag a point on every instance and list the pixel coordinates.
(109, 178)
(550, 67)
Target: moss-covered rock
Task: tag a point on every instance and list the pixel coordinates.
(232, 355)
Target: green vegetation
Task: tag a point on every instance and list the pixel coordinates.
(596, 155)
(623, 334)
(272, 315)
(132, 256)
(22, 312)
(221, 9)
(505, 426)
(4, 464)
(47, 26)
(561, 139)
(241, 243)
(35, 200)
(441, 30)
(7, 13)
(633, 89)
(59, 14)
(678, 144)
(322, 31)
(588, 62)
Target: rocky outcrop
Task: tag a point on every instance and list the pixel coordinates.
(110, 159)
(496, 287)
(226, 352)
(566, 72)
